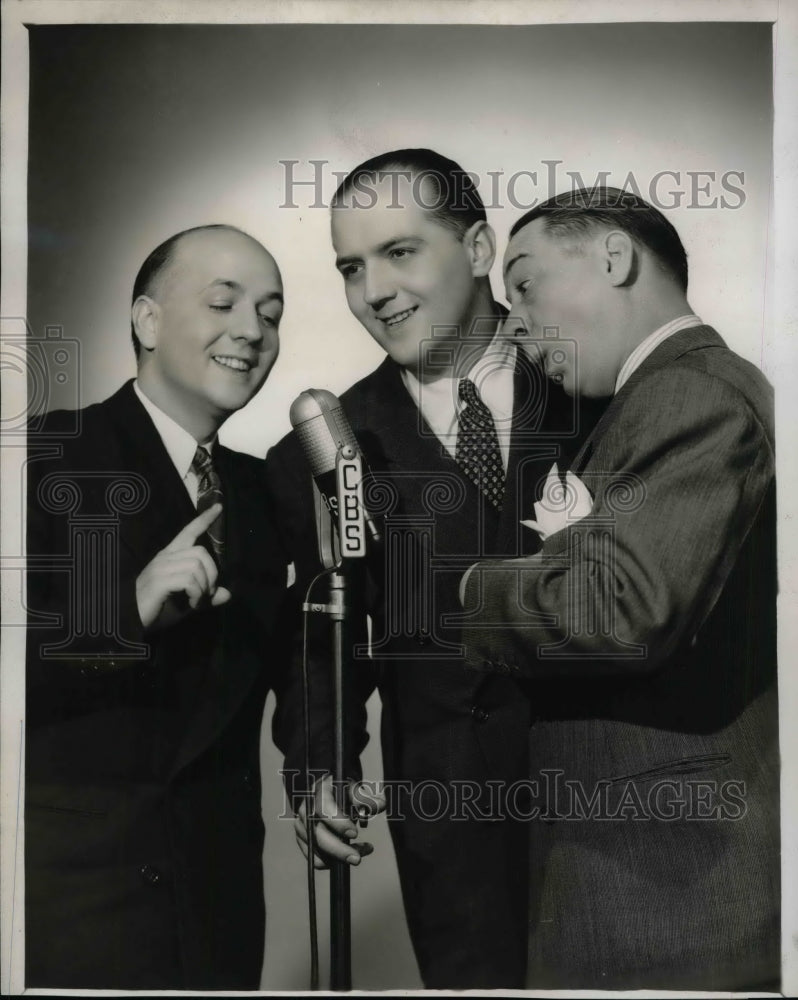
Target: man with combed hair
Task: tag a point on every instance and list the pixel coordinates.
(458, 429)
(151, 548)
(644, 631)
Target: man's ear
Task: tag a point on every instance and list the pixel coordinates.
(619, 258)
(480, 242)
(145, 314)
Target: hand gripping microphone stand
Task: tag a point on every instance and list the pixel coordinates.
(321, 426)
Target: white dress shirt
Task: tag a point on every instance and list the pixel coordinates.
(440, 403)
(652, 341)
(179, 444)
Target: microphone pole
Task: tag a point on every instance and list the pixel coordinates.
(340, 900)
(329, 443)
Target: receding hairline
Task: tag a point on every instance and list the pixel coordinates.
(180, 239)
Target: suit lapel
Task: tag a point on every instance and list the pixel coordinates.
(142, 451)
(400, 439)
(532, 452)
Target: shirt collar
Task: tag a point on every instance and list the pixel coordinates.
(489, 373)
(180, 445)
(651, 343)
(493, 374)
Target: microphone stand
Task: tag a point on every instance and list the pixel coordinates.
(337, 608)
(340, 914)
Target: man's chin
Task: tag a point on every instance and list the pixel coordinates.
(232, 398)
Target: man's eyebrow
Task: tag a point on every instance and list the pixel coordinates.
(513, 260)
(235, 286)
(394, 240)
(380, 248)
(226, 282)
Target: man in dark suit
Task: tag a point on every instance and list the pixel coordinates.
(457, 431)
(644, 632)
(154, 580)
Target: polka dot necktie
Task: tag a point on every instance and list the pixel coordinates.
(477, 451)
(209, 492)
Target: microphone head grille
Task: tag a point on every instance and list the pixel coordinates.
(318, 445)
(321, 427)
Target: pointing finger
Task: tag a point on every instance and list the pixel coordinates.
(222, 596)
(185, 539)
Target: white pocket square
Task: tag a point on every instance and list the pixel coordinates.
(561, 505)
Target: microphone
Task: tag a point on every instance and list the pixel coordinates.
(324, 433)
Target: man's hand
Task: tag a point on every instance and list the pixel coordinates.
(335, 829)
(180, 578)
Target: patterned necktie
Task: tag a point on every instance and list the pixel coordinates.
(209, 492)
(477, 451)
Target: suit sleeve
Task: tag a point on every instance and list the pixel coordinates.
(290, 489)
(678, 480)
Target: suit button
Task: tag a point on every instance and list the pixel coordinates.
(150, 875)
(479, 714)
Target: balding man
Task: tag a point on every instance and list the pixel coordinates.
(145, 691)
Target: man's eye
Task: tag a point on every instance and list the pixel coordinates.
(268, 320)
(221, 306)
(350, 270)
(399, 252)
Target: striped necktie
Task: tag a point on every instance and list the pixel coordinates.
(477, 451)
(209, 492)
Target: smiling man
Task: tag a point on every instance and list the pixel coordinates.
(151, 548)
(459, 430)
(645, 628)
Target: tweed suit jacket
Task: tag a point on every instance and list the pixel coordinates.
(645, 637)
(143, 826)
(443, 728)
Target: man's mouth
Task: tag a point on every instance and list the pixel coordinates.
(236, 364)
(399, 317)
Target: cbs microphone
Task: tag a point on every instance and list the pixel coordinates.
(336, 464)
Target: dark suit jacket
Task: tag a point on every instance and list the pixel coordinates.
(143, 825)
(646, 635)
(446, 733)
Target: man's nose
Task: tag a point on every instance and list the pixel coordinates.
(379, 286)
(248, 326)
(515, 327)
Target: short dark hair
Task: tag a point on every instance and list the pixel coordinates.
(576, 213)
(457, 203)
(157, 262)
